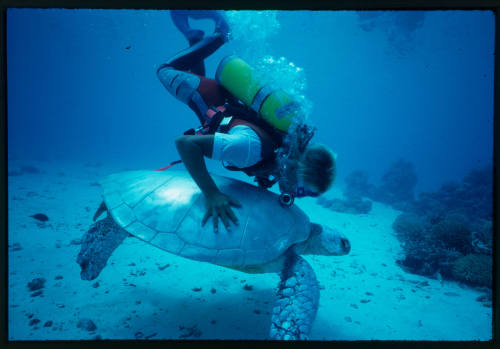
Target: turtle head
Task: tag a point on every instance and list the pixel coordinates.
(326, 241)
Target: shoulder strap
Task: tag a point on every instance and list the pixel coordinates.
(243, 113)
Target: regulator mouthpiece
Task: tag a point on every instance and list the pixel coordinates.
(286, 199)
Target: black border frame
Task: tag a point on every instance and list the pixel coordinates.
(493, 5)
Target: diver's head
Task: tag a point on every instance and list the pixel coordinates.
(316, 169)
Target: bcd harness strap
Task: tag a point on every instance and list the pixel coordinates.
(213, 119)
(217, 119)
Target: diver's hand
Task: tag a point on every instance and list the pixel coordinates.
(221, 25)
(219, 205)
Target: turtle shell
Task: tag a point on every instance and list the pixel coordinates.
(165, 209)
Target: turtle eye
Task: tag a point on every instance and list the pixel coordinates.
(345, 244)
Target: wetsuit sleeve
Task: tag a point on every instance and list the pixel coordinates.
(241, 147)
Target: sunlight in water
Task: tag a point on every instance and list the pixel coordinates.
(177, 196)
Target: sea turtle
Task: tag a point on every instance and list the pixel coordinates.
(165, 209)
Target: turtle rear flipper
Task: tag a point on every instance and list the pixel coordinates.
(99, 211)
(298, 298)
(98, 243)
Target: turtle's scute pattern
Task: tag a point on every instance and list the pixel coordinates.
(166, 209)
(142, 231)
(169, 242)
(123, 215)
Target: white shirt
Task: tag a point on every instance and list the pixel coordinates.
(240, 147)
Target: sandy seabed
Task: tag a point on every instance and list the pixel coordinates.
(145, 293)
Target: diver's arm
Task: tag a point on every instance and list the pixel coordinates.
(192, 149)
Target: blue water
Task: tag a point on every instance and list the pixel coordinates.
(383, 86)
(378, 86)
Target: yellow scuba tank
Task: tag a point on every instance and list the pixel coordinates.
(274, 105)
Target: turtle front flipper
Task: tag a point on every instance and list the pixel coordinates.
(298, 298)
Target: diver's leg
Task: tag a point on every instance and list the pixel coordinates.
(173, 74)
(199, 67)
(188, 59)
(179, 83)
(195, 63)
(184, 87)
(298, 298)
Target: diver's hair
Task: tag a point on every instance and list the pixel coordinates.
(317, 167)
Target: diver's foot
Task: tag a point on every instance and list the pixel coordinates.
(227, 36)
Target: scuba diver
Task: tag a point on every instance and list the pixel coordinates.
(245, 124)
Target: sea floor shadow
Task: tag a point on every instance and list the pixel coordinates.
(239, 315)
